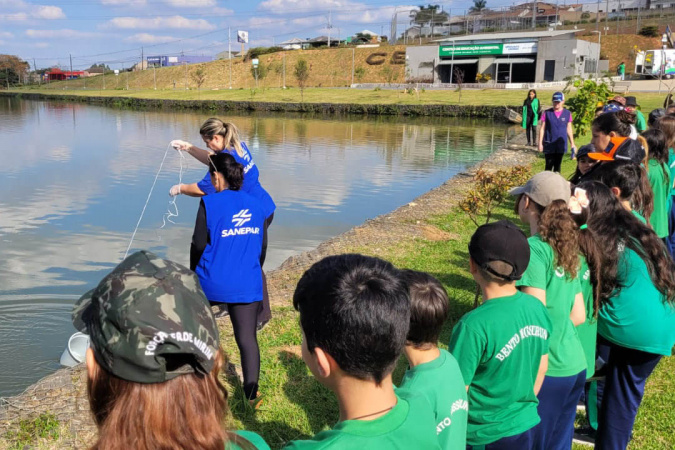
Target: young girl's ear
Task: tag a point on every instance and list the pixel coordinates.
(616, 191)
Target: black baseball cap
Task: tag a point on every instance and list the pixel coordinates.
(500, 241)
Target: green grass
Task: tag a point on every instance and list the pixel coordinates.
(648, 101)
(296, 406)
(29, 432)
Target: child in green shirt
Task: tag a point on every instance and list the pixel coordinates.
(502, 345)
(433, 372)
(354, 315)
(624, 178)
(552, 277)
(659, 179)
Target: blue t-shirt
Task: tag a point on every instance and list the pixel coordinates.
(229, 269)
(251, 183)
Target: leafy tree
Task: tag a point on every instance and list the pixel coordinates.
(583, 104)
(459, 81)
(428, 15)
(362, 37)
(259, 73)
(478, 6)
(12, 70)
(301, 73)
(199, 76)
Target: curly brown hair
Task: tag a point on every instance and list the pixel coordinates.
(559, 230)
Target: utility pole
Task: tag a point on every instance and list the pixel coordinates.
(597, 17)
(186, 82)
(329, 26)
(353, 60)
(433, 11)
(127, 72)
(284, 70)
(154, 76)
(71, 66)
(142, 59)
(229, 52)
(103, 64)
(534, 14)
(637, 23)
(606, 17)
(556, 15)
(35, 70)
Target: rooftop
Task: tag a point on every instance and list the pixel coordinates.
(499, 36)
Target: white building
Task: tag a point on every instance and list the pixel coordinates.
(617, 5)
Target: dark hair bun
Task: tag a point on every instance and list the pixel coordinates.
(626, 117)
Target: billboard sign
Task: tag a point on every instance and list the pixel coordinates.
(518, 48)
(242, 36)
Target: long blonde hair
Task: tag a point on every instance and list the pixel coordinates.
(185, 412)
(227, 130)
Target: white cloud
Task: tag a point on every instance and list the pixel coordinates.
(218, 11)
(6, 35)
(174, 22)
(48, 12)
(191, 3)
(63, 33)
(297, 6)
(146, 38)
(34, 12)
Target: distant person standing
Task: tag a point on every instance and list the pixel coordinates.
(531, 116)
(621, 70)
(555, 130)
(632, 107)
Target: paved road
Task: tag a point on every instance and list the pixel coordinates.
(649, 85)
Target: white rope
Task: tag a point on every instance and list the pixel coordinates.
(169, 214)
(146, 203)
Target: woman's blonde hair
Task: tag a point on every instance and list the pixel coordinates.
(227, 130)
(185, 412)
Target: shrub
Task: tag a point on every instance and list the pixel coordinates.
(649, 31)
(257, 51)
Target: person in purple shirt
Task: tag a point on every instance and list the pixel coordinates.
(219, 137)
(556, 129)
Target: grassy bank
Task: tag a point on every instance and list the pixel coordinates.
(486, 97)
(296, 406)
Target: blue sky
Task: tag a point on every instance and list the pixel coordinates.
(113, 31)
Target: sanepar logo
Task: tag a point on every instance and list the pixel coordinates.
(241, 217)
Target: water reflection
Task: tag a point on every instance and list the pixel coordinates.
(75, 178)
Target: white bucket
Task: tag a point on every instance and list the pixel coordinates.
(76, 350)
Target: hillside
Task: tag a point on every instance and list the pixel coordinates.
(328, 68)
(621, 47)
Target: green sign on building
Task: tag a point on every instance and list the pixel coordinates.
(470, 49)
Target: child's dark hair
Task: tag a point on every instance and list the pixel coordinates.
(355, 308)
(428, 308)
(532, 90)
(613, 226)
(619, 122)
(633, 182)
(588, 245)
(656, 140)
(226, 165)
(559, 230)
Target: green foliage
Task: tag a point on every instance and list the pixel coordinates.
(584, 103)
(478, 5)
(301, 73)
(257, 51)
(389, 74)
(428, 15)
(491, 190)
(199, 76)
(359, 73)
(586, 15)
(649, 31)
(27, 432)
(260, 73)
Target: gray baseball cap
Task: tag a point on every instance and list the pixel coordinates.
(544, 188)
(149, 321)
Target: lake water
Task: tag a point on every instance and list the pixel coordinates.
(74, 179)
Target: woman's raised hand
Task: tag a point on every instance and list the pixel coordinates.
(181, 145)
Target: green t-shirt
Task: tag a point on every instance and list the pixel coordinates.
(250, 436)
(410, 424)
(639, 216)
(499, 346)
(659, 179)
(640, 122)
(440, 382)
(566, 355)
(588, 331)
(636, 316)
(671, 166)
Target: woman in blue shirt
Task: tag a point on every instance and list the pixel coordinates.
(225, 254)
(219, 137)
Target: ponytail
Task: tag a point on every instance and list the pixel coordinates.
(559, 230)
(227, 130)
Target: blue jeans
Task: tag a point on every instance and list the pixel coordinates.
(522, 441)
(557, 409)
(627, 371)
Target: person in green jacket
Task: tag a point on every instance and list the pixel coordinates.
(154, 360)
(621, 70)
(659, 179)
(531, 116)
(632, 107)
(636, 315)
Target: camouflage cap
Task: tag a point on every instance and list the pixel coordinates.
(149, 321)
